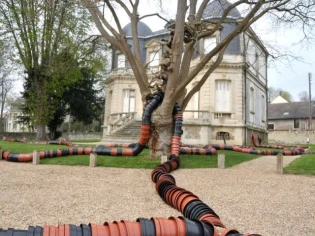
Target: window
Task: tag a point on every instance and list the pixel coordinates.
(296, 123)
(196, 104)
(154, 58)
(129, 100)
(209, 44)
(257, 62)
(252, 100)
(271, 126)
(222, 96)
(121, 60)
(222, 136)
(263, 108)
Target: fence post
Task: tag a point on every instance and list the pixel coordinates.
(0, 153)
(163, 159)
(280, 163)
(35, 157)
(93, 159)
(221, 161)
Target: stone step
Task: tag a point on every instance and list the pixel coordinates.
(129, 134)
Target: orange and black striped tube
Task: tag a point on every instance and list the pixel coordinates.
(173, 226)
(200, 218)
(181, 199)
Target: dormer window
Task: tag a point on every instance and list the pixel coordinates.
(154, 58)
(121, 61)
(209, 44)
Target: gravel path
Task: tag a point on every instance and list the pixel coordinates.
(250, 197)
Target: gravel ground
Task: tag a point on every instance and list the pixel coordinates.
(250, 197)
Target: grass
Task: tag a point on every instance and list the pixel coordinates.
(17, 147)
(305, 165)
(231, 159)
(85, 140)
(140, 161)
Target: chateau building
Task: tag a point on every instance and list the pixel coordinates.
(230, 106)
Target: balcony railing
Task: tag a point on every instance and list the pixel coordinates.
(117, 121)
(197, 115)
(128, 71)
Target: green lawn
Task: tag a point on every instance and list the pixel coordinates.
(85, 140)
(305, 165)
(140, 161)
(17, 147)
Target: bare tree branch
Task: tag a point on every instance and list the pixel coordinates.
(204, 78)
(154, 14)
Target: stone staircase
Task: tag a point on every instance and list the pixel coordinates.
(128, 134)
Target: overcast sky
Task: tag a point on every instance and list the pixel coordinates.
(290, 76)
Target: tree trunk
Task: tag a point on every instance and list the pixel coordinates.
(161, 133)
(42, 108)
(41, 133)
(1, 119)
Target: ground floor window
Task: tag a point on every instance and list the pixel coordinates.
(271, 126)
(296, 123)
(222, 136)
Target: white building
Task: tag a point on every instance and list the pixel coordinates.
(231, 104)
(11, 121)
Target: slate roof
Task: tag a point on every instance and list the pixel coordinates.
(143, 29)
(291, 110)
(216, 8)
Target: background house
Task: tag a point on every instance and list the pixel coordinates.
(289, 122)
(231, 104)
(11, 121)
(290, 116)
(279, 99)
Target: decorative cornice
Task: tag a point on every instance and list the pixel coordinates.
(113, 78)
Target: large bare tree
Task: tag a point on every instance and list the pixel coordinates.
(6, 81)
(49, 38)
(186, 29)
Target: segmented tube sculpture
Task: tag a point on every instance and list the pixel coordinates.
(200, 219)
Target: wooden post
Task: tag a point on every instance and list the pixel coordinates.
(221, 161)
(280, 163)
(35, 157)
(93, 159)
(0, 153)
(163, 159)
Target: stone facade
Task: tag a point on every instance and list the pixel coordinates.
(293, 137)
